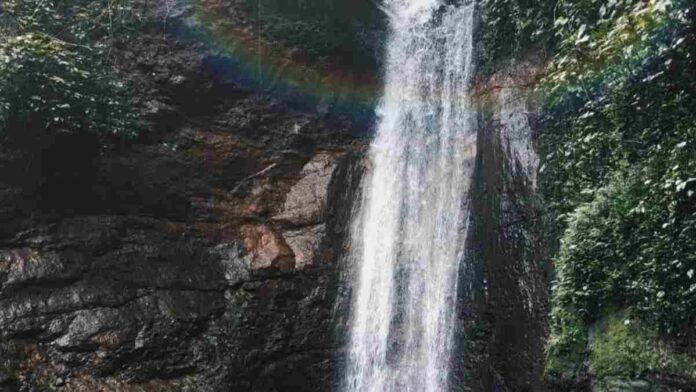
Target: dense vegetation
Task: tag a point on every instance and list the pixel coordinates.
(514, 28)
(348, 31)
(619, 173)
(55, 67)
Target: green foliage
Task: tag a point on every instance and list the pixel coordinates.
(619, 170)
(603, 44)
(567, 348)
(623, 348)
(321, 28)
(45, 84)
(55, 69)
(514, 27)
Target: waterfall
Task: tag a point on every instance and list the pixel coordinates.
(409, 232)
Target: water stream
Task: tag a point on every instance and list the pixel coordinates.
(408, 234)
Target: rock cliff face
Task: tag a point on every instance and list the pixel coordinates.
(201, 257)
(503, 290)
(207, 256)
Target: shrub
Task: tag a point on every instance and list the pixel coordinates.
(45, 84)
(511, 28)
(619, 164)
(327, 28)
(623, 348)
(55, 71)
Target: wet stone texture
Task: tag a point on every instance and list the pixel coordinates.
(503, 283)
(207, 255)
(198, 258)
(214, 300)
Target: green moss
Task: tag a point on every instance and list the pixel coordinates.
(11, 356)
(618, 348)
(566, 353)
(9, 370)
(622, 347)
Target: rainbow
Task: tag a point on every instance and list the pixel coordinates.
(255, 62)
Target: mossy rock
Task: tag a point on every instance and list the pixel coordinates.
(624, 355)
(619, 353)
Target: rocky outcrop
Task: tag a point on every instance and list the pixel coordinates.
(306, 201)
(199, 258)
(219, 296)
(504, 281)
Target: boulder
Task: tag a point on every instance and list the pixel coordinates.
(305, 204)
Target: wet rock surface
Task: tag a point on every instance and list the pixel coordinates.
(503, 298)
(208, 255)
(196, 258)
(306, 201)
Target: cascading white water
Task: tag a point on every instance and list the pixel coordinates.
(408, 235)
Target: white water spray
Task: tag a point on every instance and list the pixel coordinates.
(408, 236)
